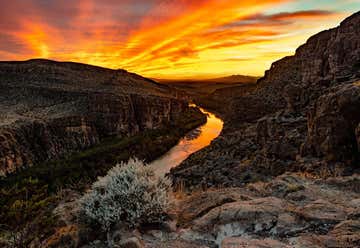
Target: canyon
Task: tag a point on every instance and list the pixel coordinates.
(50, 109)
(284, 171)
(303, 115)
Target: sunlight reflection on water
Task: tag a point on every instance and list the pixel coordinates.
(192, 142)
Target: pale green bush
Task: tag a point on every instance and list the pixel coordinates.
(130, 194)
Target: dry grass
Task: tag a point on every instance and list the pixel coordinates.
(69, 233)
(322, 171)
(326, 172)
(180, 192)
(306, 175)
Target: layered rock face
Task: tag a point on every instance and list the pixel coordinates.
(50, 109)
(302, 115)
(332, 124)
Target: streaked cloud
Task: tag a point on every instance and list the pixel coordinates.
(163, 38)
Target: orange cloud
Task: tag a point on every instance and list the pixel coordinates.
(189, 25)
(309, 14)
(159, 38)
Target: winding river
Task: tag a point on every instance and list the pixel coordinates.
(192, 142)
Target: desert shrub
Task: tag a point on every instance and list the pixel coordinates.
(130, 194)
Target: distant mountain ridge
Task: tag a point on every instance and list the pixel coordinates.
(228, 79)
(196, 88)
(235, 79)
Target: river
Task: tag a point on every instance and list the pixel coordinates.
(192, 142)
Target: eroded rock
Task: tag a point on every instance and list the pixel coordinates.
(50, 109)
(332, 125)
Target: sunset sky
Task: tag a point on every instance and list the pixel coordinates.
(166, 38)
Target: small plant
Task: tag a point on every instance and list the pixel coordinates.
(291, 188)
(130, 194)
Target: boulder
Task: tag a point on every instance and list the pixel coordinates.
(322, 212)
(198, 204)
(256, 216)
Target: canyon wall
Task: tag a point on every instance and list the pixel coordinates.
(51, 109)
(327, 59)
(303, 115)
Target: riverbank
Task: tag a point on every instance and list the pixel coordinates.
(28, 197)
(193, 141)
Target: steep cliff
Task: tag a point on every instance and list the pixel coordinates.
(327, 59)
(49, 109)
(302, 115)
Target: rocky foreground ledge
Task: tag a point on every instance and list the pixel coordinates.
(50, 109)
(292, 211)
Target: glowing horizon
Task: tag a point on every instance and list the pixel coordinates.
(166, 39)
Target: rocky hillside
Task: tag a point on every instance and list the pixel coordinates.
(303, 115)
(221, 99)
(49, 109)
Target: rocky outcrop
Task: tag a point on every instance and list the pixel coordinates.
(50, 109)
(291, 211)
(279, 214)
(332, 124)
(345, 234)
(303, 115)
